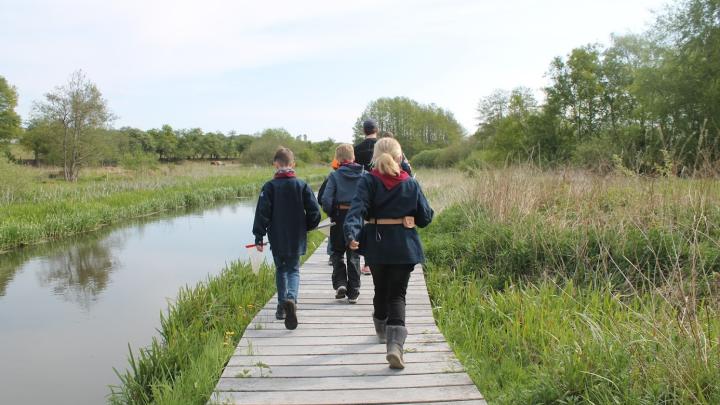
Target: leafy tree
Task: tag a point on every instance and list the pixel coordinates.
(9, 119)
(78, 110)
(414, 125)
(40, 138)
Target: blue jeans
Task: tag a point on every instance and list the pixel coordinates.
(287, 277)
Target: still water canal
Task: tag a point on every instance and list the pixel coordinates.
(69, 309)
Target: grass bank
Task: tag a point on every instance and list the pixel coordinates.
(563, 287)
(36, 207)
(198, 334)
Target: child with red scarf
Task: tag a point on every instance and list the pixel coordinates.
(286, 210)
(380, 224)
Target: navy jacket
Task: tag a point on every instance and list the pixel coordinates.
(341, 187)
(286, 211)
(388, 244)
(364, 152)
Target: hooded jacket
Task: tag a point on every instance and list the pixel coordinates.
(286, 211)
(341, 187)
(388, 244)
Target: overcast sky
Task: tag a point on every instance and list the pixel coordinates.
(308, 66)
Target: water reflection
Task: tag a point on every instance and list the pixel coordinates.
(69, 309)
(78, 274)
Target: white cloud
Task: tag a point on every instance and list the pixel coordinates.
(447, 52)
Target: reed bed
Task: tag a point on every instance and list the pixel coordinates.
(566, 287)
(35, 208)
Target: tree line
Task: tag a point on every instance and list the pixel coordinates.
(71, 128)
(646, 102)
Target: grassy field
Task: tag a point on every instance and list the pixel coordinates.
(564, 287)
(37, 205)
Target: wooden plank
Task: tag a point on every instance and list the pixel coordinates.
(265, 324)
(329, 333)
(375, 347)
(310, 320)
(301, 383)
(335, 359)
(364, 299)
(469, 402)
(350, 311)
(450, 366)
(345, 306)
(333, 340)
(373, 396)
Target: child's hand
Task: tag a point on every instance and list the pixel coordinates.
(259, 247)
(354, 245)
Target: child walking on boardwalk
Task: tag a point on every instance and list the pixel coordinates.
(336, 199)
(381, 223)
(286, 210)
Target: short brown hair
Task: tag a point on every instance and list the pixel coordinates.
(284, 156)
(345, 153)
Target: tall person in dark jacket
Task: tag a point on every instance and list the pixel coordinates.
(286, 211)
(381, 222)
(364, 154)
(336, 199)
(364, 150)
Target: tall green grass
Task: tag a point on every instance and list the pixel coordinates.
(567, 288)
(197, 336)
(39, 211)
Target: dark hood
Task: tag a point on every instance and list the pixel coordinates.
(350, 171)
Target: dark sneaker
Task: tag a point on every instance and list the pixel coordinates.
(353, 296)
(340, 292)
(365, 270)
(280, 312)
(291, 321)
(330, 261)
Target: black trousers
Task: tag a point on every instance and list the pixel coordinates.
(347, 275)
(391, 281)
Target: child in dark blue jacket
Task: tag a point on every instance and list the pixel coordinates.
(286, 211)
(381, 224)
(336, 199)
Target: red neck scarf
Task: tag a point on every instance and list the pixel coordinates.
(389, 180)
(285, 174)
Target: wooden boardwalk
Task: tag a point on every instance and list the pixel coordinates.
(333, 357)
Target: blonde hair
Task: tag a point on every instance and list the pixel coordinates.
(386, 155)
(345, 153)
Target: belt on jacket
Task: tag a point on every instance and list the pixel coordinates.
(343, 206)
(407, 222)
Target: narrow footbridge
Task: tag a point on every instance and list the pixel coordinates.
(333, 357)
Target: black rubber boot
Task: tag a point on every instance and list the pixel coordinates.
(395, 340)
(380, 328)
(280, 312)
(291, 321)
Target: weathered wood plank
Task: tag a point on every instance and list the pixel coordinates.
(301, 383)
(364, 314)
(307, 319)
(265, 324)
(371, 396)
(329, 333)
(261, 350)
(345, 306)
(333, 340)
(335, 359)
(450, 366)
